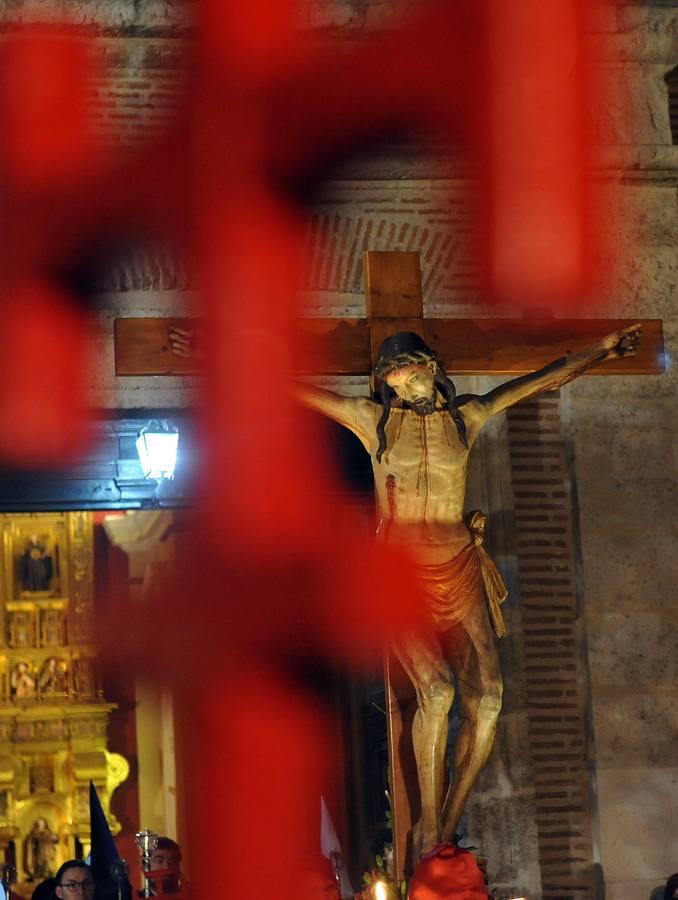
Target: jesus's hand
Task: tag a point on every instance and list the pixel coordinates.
(623, 342)
(185, 342)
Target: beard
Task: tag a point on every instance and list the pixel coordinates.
(423, 407)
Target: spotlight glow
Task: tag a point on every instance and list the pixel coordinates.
(380, 891)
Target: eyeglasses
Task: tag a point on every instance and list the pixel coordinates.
(73, 886)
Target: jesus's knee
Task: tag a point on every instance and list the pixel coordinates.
(490, 703)
(437, 695)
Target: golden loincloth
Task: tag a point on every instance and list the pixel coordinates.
(453, 588)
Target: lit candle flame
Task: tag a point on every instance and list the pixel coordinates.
(380, 891)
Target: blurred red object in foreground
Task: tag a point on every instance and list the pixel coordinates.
(448, 872)
(43, 348)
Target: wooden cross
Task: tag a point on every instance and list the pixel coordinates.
(348, 346)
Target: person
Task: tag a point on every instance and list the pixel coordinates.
(74, 881)
(419, 440)
(44, 890)
(671, 888)
(166, 858)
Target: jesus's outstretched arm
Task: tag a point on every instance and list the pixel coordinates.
(613, 346)
(358, 414)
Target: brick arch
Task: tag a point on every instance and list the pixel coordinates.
(435, 221)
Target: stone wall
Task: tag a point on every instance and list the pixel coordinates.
(624, 436)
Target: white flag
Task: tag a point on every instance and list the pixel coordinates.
(329, 845)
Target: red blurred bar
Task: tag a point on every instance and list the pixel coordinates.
(47, 137)
(43, 348)
(536, 186)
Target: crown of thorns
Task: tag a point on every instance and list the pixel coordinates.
(402, 349)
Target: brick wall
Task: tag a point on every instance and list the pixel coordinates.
(140, 90)
(435, 220)
(556, 674)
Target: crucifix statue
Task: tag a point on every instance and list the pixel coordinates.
(419, 437)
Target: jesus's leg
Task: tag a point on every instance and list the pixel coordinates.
(473, 657)
(423, 660)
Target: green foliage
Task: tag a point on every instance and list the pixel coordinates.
(389, 812)
(380, 872)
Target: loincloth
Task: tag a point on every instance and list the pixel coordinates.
(451, 589)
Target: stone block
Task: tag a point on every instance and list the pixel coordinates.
(641, 33)
(624, 570)
(350, 15)
(637, 824)
(635, 110)
(636, 889)
(636, 443)
(649, 215)
(504, 830)
(635, 652)
(116, 14)
(636, 728)
(601, 18)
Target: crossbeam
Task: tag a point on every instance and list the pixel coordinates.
(466, 346)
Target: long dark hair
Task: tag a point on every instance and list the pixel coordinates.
(407, 349)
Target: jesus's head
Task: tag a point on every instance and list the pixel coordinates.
(411, 371)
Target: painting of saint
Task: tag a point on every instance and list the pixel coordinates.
(53, 677)
(22, 681)
(36, 565)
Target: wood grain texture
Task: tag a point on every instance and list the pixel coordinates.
(392, 284)
(479, 346)
(466, 346)
(516, 347)
(142, 347)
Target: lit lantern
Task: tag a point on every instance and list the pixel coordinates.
(157, 448)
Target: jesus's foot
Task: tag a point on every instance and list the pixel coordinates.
(422, 841)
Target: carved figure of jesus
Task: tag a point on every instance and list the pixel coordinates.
(419, 440)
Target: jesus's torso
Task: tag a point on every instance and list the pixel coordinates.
(421, 484)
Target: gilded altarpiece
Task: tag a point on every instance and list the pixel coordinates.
(53, 716)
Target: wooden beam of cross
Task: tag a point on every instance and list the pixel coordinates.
(348, 346)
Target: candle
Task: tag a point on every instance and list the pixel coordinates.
(380, 891)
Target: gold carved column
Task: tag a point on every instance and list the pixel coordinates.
(53, 715)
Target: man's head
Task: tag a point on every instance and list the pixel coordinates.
(167, 855)
(74, 881)
(415, 387)
(671, 887)
(405, 348)
(411, 371)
